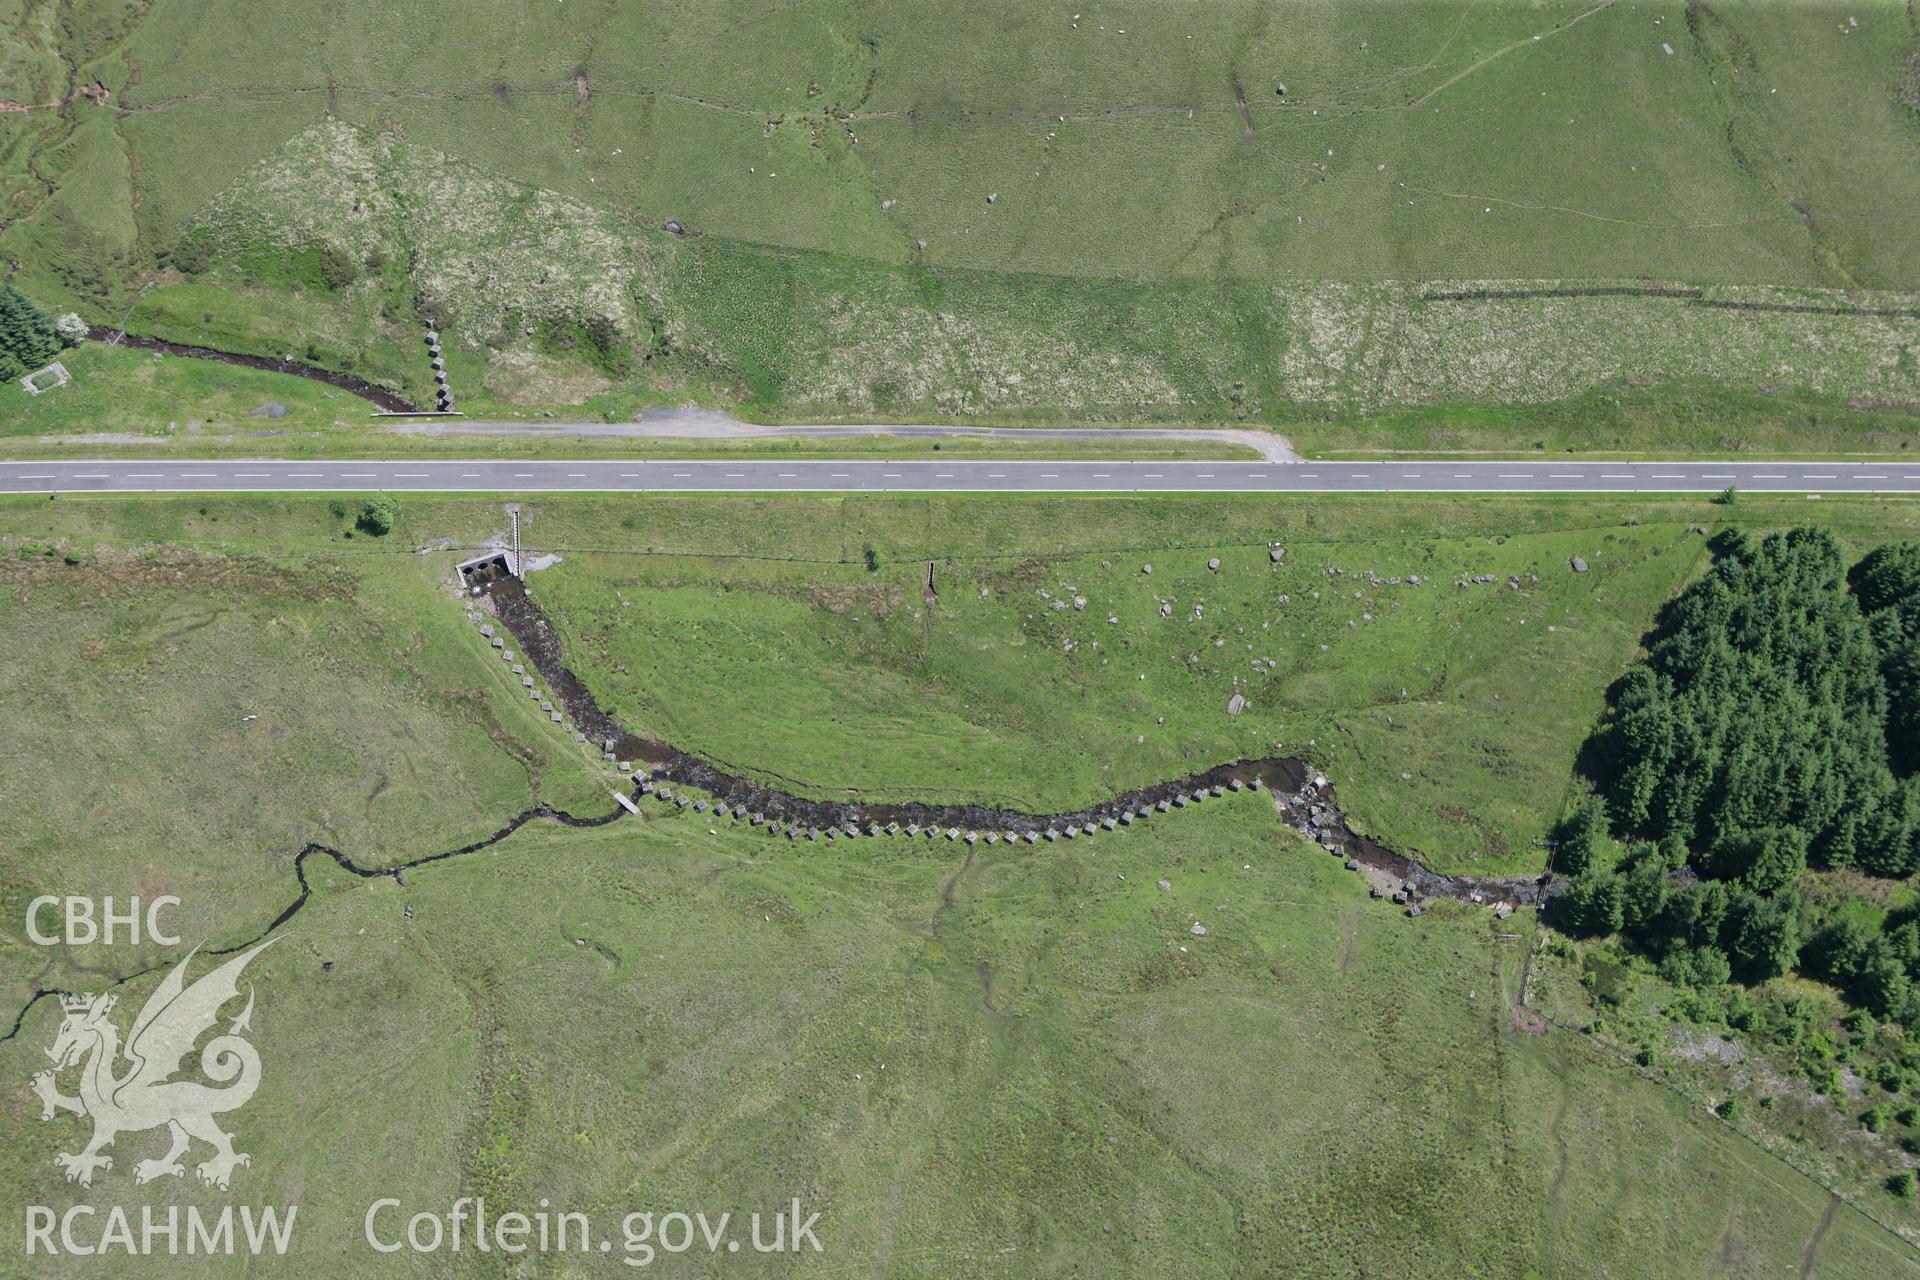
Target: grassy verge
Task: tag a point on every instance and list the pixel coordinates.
(124, 403)
(1679, 419)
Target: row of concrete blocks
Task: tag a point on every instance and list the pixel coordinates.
(1403, 896)
(443, 391)
(553, 714)
(851, 830)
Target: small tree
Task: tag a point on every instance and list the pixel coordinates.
(27, 336)
(1726, 497)
(1581, 842)
(1901, 1184)
(377, 515)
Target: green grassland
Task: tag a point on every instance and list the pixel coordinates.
(150, 403)
(840, 680)
(1019, 1062)
(1170, 239)
(330, 712)
(1050, 1074)
(1448, 716)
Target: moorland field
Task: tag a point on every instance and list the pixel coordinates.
(1021, 1060)
(1438, 224)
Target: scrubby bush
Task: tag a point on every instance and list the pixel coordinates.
(377, 515)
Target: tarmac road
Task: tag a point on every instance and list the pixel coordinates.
(1534, 475)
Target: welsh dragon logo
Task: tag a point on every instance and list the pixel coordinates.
(143, 1096)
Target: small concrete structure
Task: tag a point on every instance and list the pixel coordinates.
(483, 571)
(47, 379)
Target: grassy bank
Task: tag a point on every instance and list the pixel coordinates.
(1280, 216)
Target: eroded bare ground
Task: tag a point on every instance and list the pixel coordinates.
(709, 424)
